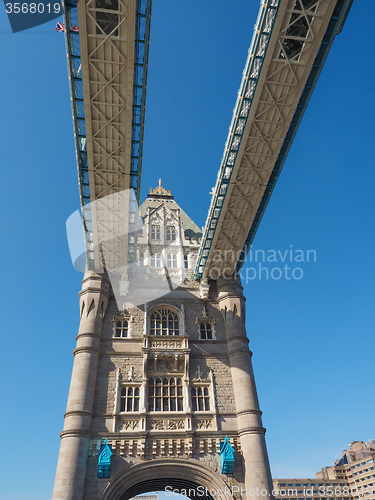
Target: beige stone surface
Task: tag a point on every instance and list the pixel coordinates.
(187, 441)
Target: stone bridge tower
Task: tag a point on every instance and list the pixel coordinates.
(157, 388)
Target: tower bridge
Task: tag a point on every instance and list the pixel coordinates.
(162, 390)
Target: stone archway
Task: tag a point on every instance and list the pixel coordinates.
(197, 480)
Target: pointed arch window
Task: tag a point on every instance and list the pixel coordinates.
(165, 394)
(171, 233)
(205, 330)
(155, 232)
(121, 329)
(200, 398)
(129, 400)
(164, 322)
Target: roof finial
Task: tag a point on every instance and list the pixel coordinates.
(160, 191)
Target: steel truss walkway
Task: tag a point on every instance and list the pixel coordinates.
(107, 65)
(290, 44)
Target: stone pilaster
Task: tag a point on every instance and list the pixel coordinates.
(249, 421)
(72, 463)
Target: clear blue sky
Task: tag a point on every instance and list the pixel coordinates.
(313, 339)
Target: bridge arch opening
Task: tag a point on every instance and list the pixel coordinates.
(172, 477)
(171, 487)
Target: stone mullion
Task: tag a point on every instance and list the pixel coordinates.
(116, 403)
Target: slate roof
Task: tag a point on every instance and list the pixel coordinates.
(189, 227)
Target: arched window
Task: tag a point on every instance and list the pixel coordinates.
(164, 322)
(205, 329)
(186, 261)
(129, 399)
(121, 328)
(171, 233)
(200, 399)
(155, 232)
(165, 394)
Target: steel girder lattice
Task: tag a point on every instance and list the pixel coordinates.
(113, 54)
(285, 45)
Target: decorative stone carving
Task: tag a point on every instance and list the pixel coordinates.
(129, 425)
(156, 219)
(161, 364)
(204, 423)
(176, 424)
(166, 424)
(170, 219)
(166, 344)
(164, 366)
(156, 425)
(131, 373)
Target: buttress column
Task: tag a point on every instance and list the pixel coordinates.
(249, 420)
(72, 463)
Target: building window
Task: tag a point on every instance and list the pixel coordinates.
(205, 330)
(156, 260)
(165, 394)
(172, 261)
(121, 328)
(200, 399)
(171, 233)
(141, 258)
(164, 322)
(129, 399)
(155, 232)
(186, 262)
